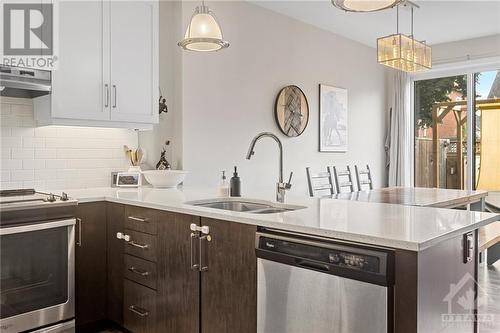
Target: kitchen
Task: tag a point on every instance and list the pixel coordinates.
(140, 264)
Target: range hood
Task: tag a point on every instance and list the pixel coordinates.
(24, 82)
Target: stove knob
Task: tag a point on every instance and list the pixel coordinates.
(51, 198)
(64, 196)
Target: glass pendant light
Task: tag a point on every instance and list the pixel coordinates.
(203, 34)
(364, 5)
(404, 52)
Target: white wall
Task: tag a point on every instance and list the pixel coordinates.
(482, 47)
(228, 97)
(170, 124)
(56, 157)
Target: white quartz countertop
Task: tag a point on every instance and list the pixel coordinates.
(389, 225)
(494, 199)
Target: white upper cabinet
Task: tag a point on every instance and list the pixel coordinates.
(80, 85)
(134, 68)
(107, 72)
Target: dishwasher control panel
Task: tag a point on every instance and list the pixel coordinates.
(353, 261)
(356, 261)
(337, 257)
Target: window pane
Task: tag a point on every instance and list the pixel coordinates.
(441, 132)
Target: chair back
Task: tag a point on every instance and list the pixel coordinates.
(320, 184)
(343, 179)
(364, 178)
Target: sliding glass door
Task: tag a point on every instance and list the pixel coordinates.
(440, 135)
(445, 131)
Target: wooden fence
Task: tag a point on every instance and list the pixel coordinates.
(424, 163)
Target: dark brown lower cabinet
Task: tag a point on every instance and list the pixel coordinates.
(139, 312)
(150, 283)
(116, 262)
(90, 264)
(229, 285)
(178, 301)
(221, 299)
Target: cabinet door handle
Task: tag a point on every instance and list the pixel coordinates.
(106, 92)
(139, 245)
(139, 311)
(138, 219)
(203, 266)
(138, 271)
(79, 239)
(114, 95)
(193, 265)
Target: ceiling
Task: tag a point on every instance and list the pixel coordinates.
(436, 21)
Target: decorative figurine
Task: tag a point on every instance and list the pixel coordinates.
(162, 104)
(163, 163)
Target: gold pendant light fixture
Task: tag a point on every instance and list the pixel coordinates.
(404, 52)
(203, 34)
(364, 5)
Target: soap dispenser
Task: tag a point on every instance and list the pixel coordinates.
(224, 186)
(235, 184)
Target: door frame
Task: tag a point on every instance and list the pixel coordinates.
(468, 68)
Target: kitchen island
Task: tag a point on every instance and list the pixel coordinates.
(433, 248)
(421, 197)
(392, 225)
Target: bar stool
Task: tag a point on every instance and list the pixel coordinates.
(343, 179)
(320, 184)
(364, 180)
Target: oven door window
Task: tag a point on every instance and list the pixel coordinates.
(34, 272)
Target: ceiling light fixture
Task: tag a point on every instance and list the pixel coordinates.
(203, 34)
(404, 52)
(364, 5)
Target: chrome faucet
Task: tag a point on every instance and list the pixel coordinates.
(281, 187)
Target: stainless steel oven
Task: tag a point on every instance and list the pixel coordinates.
(37, 275)
(37, 270)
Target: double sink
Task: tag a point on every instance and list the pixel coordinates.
(245, 206)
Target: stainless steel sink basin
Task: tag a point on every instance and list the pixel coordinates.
(271, 210)
(247, 206)
(236, 206)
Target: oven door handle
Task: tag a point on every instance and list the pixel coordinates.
(38, 226)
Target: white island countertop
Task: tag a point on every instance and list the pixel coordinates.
(389, 225)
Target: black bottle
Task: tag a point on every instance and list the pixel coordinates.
(235, 184)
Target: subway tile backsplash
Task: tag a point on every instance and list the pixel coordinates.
(50, 158)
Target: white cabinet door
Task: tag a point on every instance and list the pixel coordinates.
(80, 84)
(134, 61)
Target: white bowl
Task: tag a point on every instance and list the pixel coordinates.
(164, 178)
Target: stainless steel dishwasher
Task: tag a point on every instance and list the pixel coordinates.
(310, 285)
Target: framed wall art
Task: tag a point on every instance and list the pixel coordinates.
(333, 113)
(291, 111)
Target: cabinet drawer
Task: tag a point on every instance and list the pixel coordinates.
(140, 271)
(141, 219)
(139, 308)
(141, 245)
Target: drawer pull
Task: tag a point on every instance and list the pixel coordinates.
(138, 311)
(139, 245)
(138, 271)
(138, 219)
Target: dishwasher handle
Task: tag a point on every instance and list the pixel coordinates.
(312, 265)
